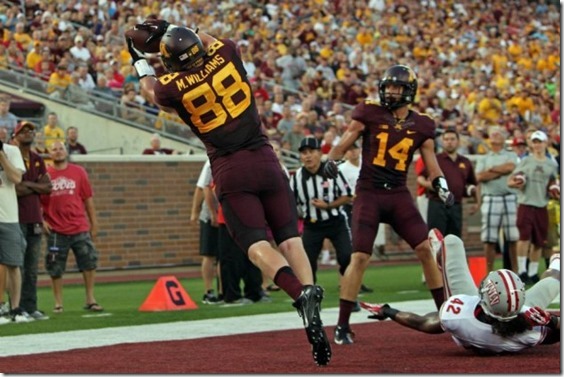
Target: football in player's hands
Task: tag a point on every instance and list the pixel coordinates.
(520, 178)
(554, 190)
(139, 36)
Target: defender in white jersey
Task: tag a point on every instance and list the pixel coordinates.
(497, 317)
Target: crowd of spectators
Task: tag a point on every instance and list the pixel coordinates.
(479, 64)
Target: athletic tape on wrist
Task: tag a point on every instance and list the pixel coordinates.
(143, 68)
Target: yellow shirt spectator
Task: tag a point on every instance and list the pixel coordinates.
(364, 36)
(490, 107)
(499, 62)
(59, 80)
(515, 50)
(550, 63)
(525, 62)
(33, 57)
(501, 82)
(23, 38)
(523, 102)
(52, 132)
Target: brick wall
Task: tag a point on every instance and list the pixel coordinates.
(144, 202)
(143, 205)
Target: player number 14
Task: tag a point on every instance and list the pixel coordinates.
(399, 151)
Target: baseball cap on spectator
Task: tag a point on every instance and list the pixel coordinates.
(539, 135)
(259, 95)
(78, 39)
(309, 142)
(99, 38)
(518, 141)
(19, 128)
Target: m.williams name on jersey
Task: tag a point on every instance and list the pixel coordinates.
(210, 66)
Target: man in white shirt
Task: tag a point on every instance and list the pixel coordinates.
(85, 79)
(79, 52)
(12, 244)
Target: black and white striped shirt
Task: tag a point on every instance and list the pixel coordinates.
(307, 186)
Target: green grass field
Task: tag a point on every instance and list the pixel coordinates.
(122, 300)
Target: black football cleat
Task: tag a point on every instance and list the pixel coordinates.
(308, 305)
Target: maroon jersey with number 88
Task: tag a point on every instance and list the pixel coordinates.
(215, 100)
(388, 145)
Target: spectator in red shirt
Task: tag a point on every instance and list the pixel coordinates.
(71, 224)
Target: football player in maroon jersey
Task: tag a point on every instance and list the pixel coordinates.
(391, 133)
(207, 86)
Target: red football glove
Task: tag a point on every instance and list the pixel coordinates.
(378, 311)
(537, 317)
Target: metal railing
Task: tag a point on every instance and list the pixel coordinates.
(108, 105)
(101, 104)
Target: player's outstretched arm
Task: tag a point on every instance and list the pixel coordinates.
(428, 323)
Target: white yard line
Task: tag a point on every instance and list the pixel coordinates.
(184, 330)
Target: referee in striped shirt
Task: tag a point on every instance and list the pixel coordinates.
(320, 201)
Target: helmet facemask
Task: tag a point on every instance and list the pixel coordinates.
(399, 75)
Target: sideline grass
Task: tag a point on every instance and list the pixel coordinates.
(122, 300)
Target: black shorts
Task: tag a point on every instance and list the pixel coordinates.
(208, 239)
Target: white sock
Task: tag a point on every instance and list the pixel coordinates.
(533, 268)
(522, 263)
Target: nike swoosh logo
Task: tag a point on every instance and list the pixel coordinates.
(411, 132)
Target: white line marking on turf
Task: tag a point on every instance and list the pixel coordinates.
(96, 315)
(184, 330)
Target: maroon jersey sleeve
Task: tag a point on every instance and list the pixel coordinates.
(215, 101)
(389, 145)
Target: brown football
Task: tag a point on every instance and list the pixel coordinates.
(139, 37)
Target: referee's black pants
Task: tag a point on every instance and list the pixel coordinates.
(235, 266)
(337, 230)
(446, 219)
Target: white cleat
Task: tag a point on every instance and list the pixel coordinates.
(436, 241)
